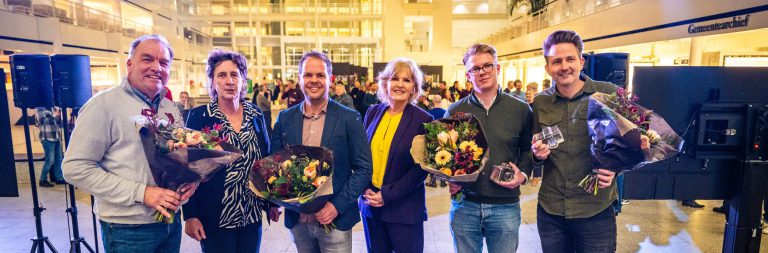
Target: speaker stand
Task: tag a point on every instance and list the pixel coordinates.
(40, 241)
(76, 239)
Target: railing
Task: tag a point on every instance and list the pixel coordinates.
(76, 14)
(244, 9)
(480, 8)
(554, 13)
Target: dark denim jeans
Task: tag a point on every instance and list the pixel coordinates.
(596, 234)
(53, 157)
(233, 240)
(153, 237)
(620, 188)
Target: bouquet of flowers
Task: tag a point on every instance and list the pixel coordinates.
(297, 177)
(625, 136)
(453, 149)
(178, 155)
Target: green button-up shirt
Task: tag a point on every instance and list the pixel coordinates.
(571, 161)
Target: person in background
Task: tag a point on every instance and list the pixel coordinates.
(545, 84)
(293, 96)
(531, 91)
(270, 85)
(437, 109)
(446, 93)
(341, 96)
(510, 87)
(466, 91)
(454, 92)
(370, 96)
(394, 205)
(47, 120)
(517, 91)
(279, 90)
(439, 102)
(332, 89)
(185, 104)
(267, 93)
(620, 201)
(264, 106)
(225, 215)
(423, 103)
(358, 96)
(442, 88)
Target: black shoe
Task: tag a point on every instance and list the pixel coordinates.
(692, 203)
(443, 184)
(60, 181)
(720, 209)
(45, 184)
(431, 182)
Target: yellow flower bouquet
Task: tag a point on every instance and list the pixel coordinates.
(453, 149)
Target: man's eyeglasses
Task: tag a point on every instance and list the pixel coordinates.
(487, 68)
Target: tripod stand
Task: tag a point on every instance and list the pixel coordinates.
(76, 239)
(40, 241)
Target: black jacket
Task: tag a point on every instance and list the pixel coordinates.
(206, 204)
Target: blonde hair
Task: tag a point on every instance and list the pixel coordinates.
(480, 48)
(395, 66)
(532, 86)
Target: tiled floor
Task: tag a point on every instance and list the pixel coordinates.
(644, 226)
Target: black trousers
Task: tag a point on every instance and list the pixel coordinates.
(596, 234)
(392, 237)
(241, 240)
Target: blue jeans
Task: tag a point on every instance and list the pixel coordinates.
(498, 224)
(153, 237)
(596, 234)
(310, 237)
(53, 157)
(620, 188)
(240, 240)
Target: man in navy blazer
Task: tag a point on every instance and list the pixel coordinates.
(319, 121)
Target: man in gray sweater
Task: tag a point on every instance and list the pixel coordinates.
(106, 157)
(491, 208)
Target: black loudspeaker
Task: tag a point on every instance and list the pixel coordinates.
(71, 80)
(8, 185)
(609, 67)
(32, 85)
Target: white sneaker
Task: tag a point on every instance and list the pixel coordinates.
(625, 202)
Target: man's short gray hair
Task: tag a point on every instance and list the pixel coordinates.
(156, 37)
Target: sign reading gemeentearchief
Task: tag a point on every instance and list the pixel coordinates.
(735, 22)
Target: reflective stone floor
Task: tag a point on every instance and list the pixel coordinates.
(644, 225)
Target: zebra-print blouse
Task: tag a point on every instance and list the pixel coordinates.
(240, 206)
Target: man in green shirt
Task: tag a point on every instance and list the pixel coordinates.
(570, 219)
(490, 209)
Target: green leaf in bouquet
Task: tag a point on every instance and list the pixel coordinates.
(280, 180)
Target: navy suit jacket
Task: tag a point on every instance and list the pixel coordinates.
(205, 204)
(343, 133)
(403, 185)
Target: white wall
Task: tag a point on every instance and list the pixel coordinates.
(440, 52)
